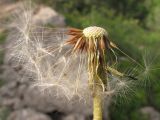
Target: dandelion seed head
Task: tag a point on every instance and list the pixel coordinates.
(94, 32)
(50, 62)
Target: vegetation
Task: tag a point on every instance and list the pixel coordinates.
(3, 111)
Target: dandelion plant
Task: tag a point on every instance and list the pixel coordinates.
(94, 41)
(69, 62)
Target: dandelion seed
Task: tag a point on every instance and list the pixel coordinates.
(146, 75)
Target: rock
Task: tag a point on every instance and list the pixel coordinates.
(9, 90)
(46, 15)
(14, 103)
(12, 95)
(7, 8)
(41, 15)
(46, 101)
(14, 77)
(39, 101)
(74, 117)
(151, 113)
(27, 114)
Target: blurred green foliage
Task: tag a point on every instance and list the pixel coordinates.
(4, 112)
(2, 37)
(2, 40)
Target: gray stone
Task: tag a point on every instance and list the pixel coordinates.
(46, 101)
(74, 117)
(46, 15)
(35, 99)
(151, 113)
(27, 114)
(10, 75)
(9, 90)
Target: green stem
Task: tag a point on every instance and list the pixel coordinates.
(97, 82)
(97, 105)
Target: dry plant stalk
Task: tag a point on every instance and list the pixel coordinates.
(95, 43)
